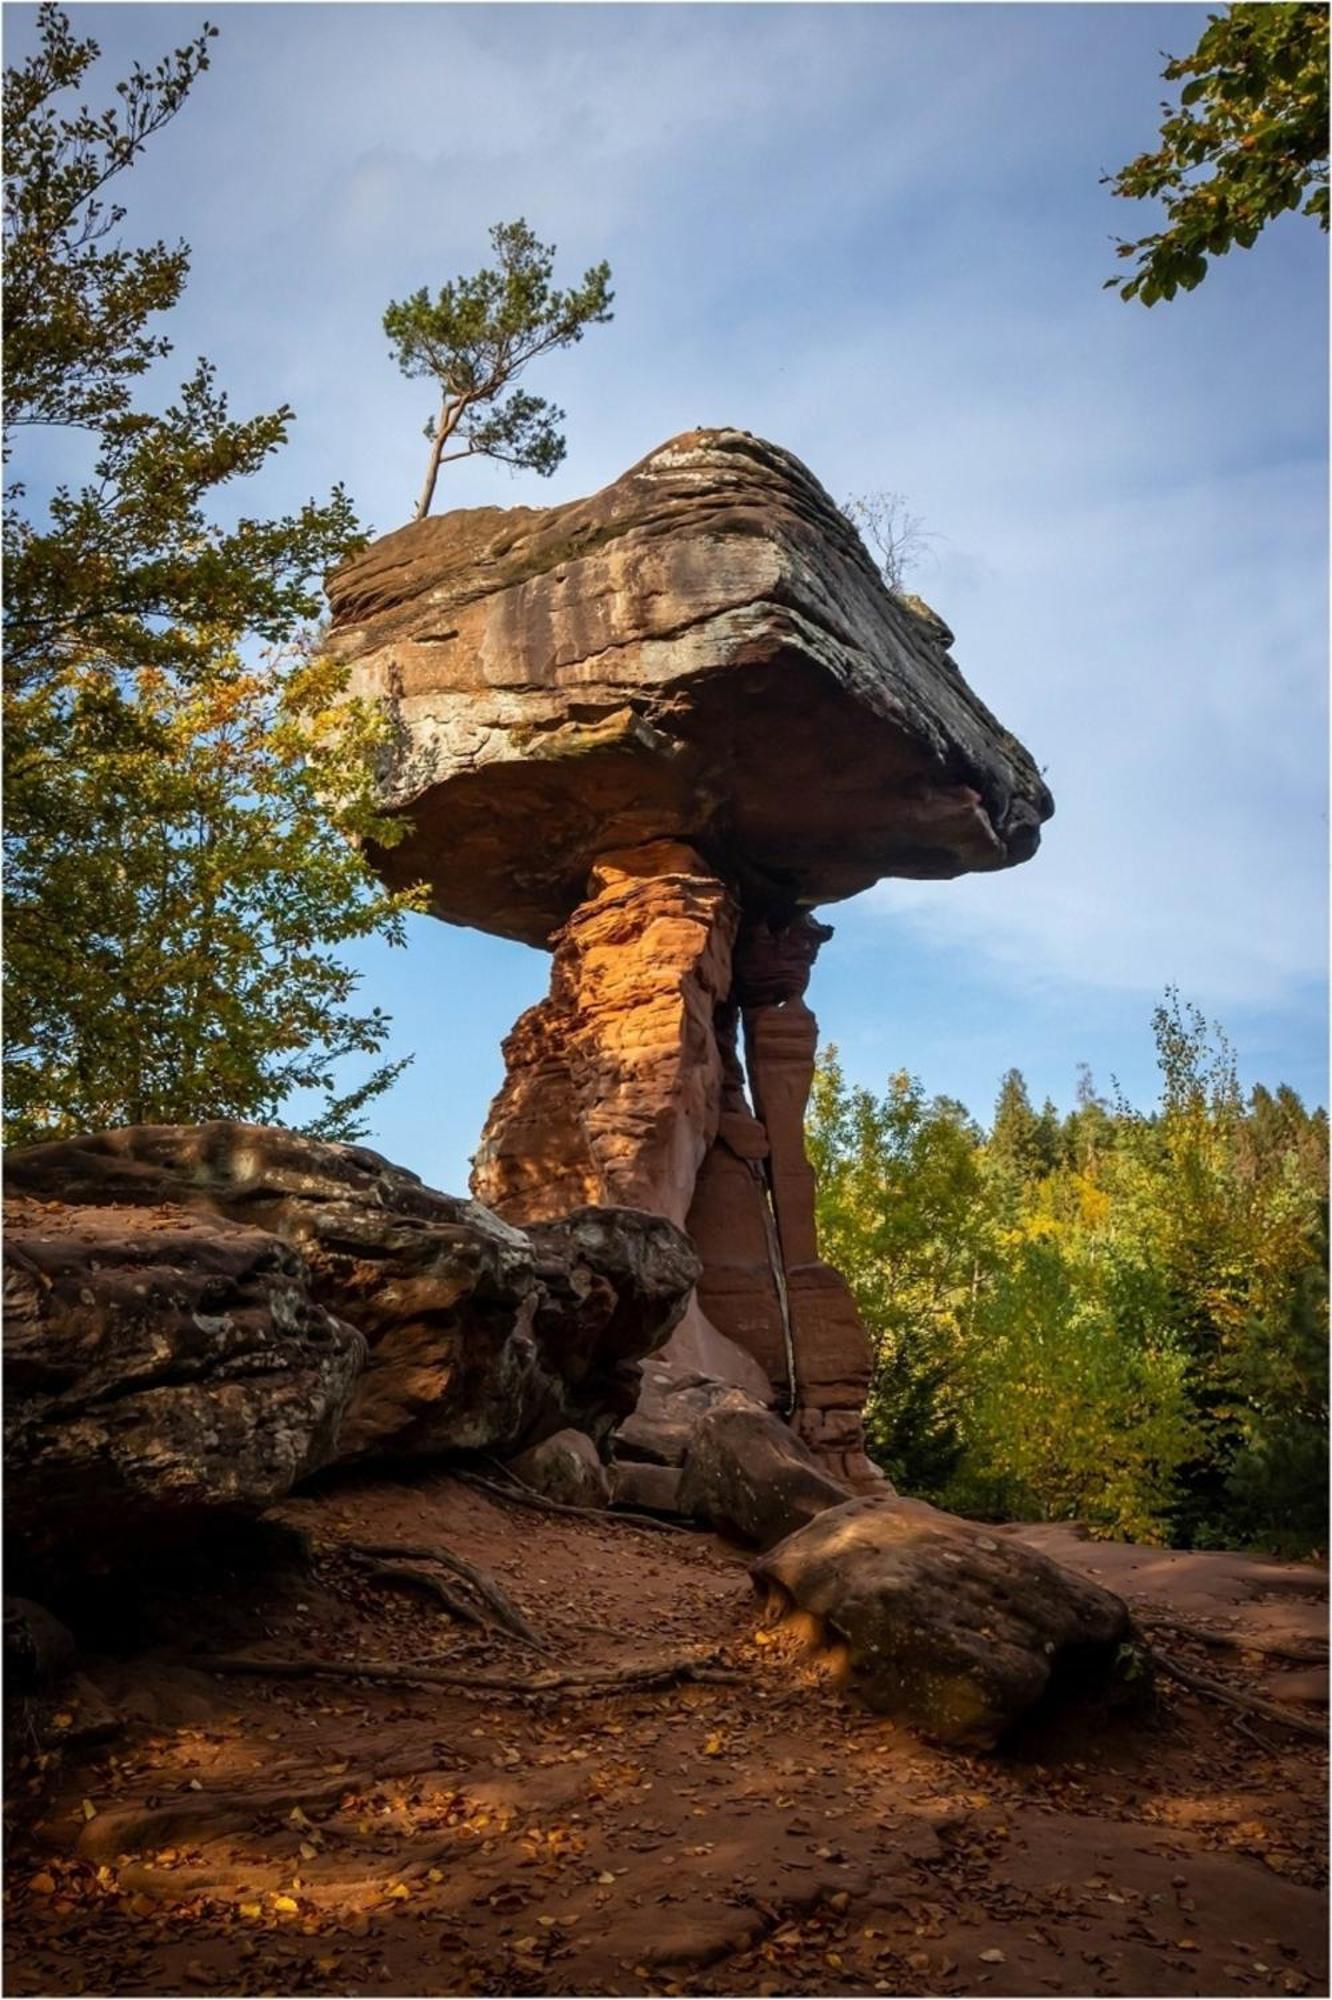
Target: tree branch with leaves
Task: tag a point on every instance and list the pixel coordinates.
(1248, 141)
(186, 780)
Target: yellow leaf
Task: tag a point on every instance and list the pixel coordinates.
(286, 1906)
(43, 1884)
(89, 1809)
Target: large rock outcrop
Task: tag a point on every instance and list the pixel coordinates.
(653, 729)
(161, 1368)
(480, 1336)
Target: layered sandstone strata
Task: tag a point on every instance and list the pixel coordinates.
(704, 651)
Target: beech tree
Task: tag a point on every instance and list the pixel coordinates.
(183, 774)
(475, 338)
(1247, 141)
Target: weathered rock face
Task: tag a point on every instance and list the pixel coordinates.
(612, 1088)
(625, 1085)
(702, 651)
(957, 1631)
(480, 1336)
(160, 1367)
(671, 1406)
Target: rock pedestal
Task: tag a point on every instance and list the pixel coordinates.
(625, 1086)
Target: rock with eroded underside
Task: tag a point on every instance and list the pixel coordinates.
(747, 1474)
(161, 1369)
(481, 1336)
(705, 651)
(956, 1631)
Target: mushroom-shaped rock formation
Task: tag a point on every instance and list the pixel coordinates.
(705, 651)
(654, 729)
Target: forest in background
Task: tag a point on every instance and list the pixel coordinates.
(1113, 1316)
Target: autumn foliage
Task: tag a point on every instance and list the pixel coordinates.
(1113, 1316)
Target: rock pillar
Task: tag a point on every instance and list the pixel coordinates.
(624, 1087)
(613, 1083)
(831, 1355)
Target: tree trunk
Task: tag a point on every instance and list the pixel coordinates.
(448, 418)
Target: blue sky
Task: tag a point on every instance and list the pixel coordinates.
(876, 235)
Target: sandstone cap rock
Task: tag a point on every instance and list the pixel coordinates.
(703, 650)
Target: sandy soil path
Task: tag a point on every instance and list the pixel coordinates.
(761, 1835)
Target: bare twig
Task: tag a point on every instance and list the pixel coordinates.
(595, 1680)
(1271, 1711)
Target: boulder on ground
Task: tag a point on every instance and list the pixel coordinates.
(481, 1336)
(748, 1475)
(953, 1629)
(38, 1648)
(564, 1468)
(671, 1406)
(160, 1368)
(645, 1489)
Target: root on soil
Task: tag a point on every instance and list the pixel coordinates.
(571, 1680)
(1252, 1704)
(496, 1600)
(522, 1495)
(1239, 1642)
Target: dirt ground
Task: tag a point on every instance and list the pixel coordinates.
(174, 1831)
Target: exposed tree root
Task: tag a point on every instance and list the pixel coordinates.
(523, 1496)
(1307, 1656)
(572, 1680)
(1243, 1704)
(408, 1577)
(497, 1601)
